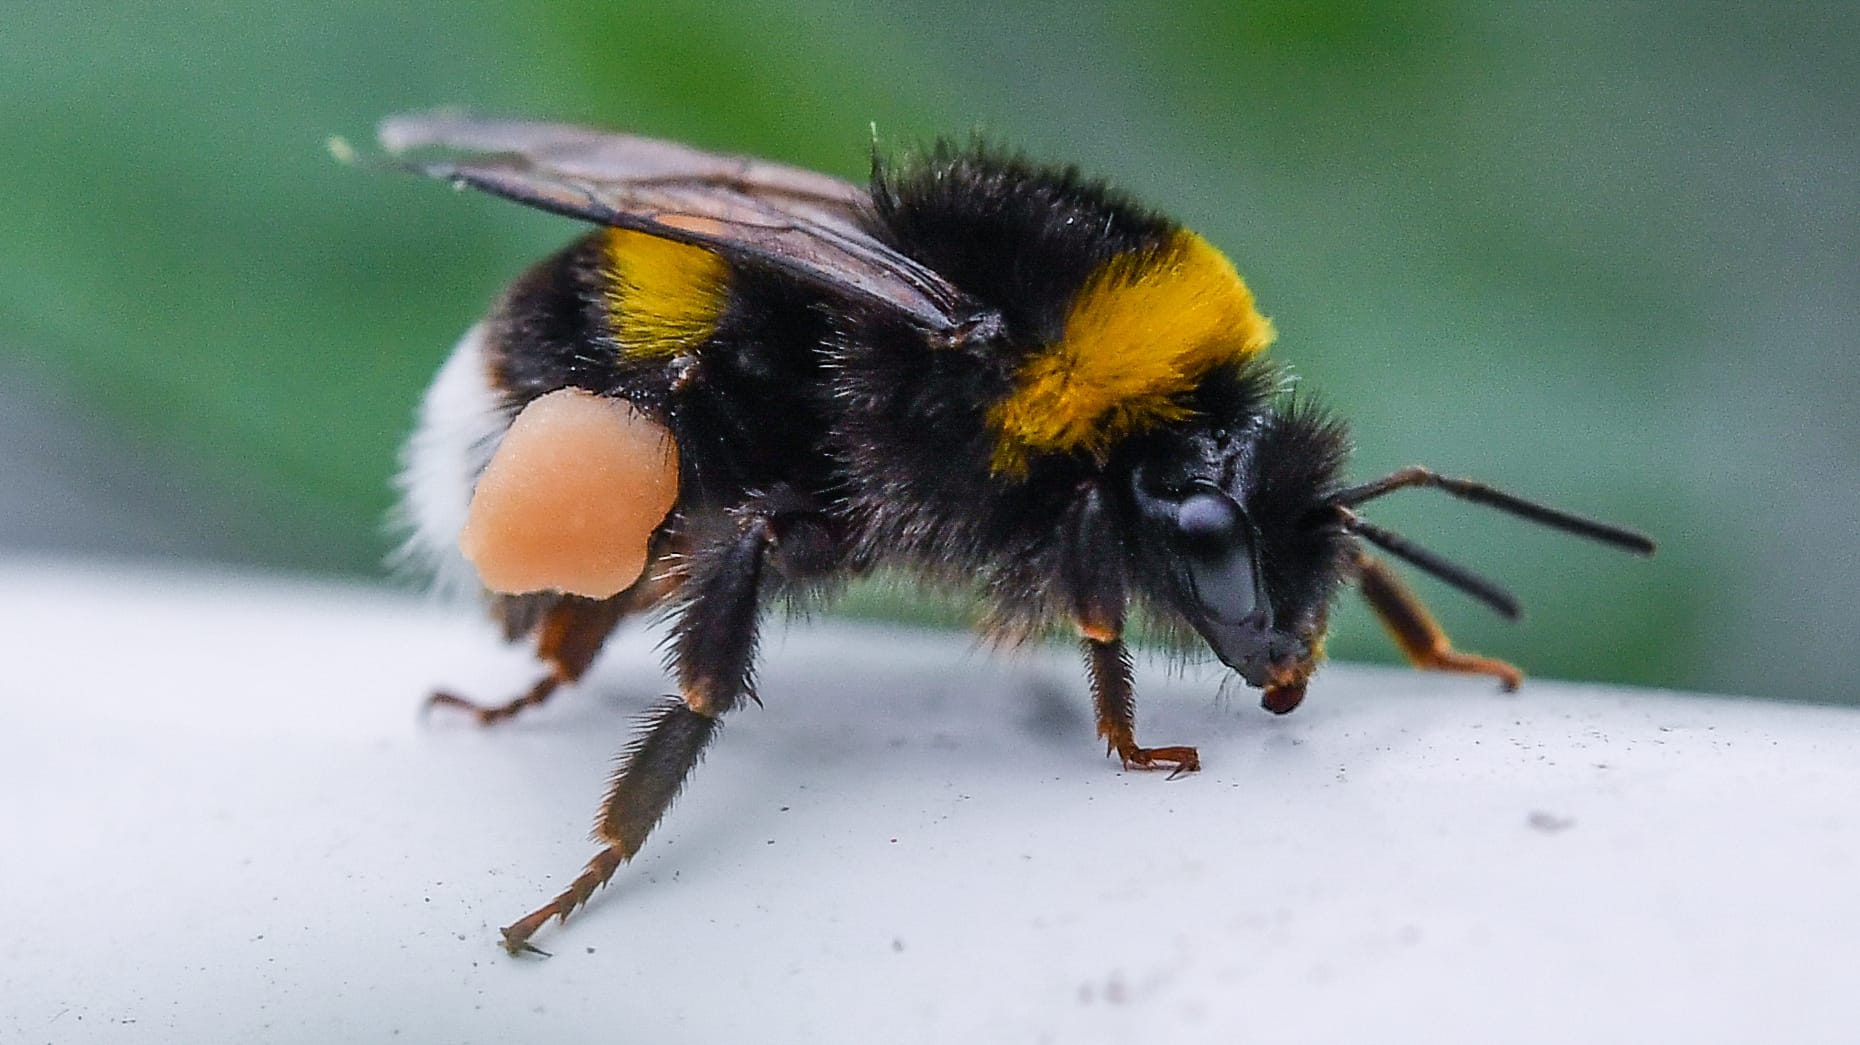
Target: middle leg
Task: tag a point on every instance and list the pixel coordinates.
(569, 636)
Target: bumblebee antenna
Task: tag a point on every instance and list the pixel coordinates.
(1502, 602)
(1479, 493)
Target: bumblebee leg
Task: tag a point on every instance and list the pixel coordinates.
(1095, 581)
(652, 771)
(713, 649)
(568, 638)
(486, 714)
(1115, 702)
(1414, 630)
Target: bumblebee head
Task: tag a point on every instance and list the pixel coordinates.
(1240, 526)
(1231, 522)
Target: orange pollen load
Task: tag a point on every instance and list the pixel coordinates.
(571, 499)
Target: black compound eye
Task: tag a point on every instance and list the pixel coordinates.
(1215, 541)
(1208, 522)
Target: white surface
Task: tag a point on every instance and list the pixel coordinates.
(225, 822)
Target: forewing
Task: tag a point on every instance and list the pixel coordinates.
(811, 225)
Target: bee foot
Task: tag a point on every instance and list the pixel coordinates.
(489, 714)
(517, 935)
(1177, 760)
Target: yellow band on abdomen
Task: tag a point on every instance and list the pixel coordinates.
(664, 297)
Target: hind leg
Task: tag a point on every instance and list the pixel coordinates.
(713, 653)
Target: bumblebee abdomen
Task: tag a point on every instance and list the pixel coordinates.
(722, 356)
(664, 299)
(552, 329)
(615, 312)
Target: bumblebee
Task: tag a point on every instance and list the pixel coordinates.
(750, 382)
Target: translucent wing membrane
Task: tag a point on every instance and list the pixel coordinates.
(602, 155)
(815, 227)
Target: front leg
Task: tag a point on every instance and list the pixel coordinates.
(1115, 702)
(1095, 580)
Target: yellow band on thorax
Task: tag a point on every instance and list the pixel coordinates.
(664, 297)
(1143, 331)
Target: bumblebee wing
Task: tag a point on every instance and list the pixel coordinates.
(585, 153)
(815, 227)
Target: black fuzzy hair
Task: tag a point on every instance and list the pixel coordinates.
(1297, 464)
(1237, 392)
(1019, 236)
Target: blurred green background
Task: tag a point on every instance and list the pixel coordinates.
(1604, 255)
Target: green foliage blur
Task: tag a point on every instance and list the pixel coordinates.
(1604, 255)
